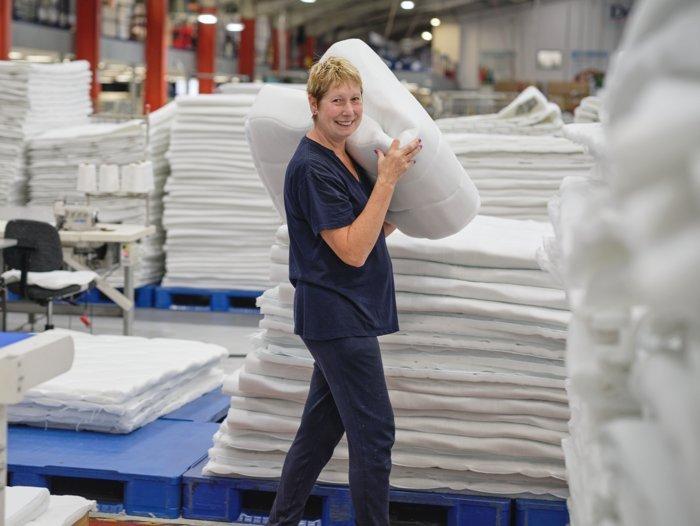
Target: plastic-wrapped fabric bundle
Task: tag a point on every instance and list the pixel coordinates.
(218, 217)
(627, 243)
(528, 114)
(34, 98)
(516, 175)
(588, 110)
(475, 375)
(156, 376)
(27, 506)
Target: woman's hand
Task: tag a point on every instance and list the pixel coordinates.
(394, 163)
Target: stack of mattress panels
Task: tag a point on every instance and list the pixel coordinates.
(529, 114)
(517, 175)
(26, 506)
(120, 383)
(476, 374)
(35, 98)
(219, 219)
(627, 248)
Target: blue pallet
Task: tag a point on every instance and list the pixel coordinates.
(211, 407)
(8, 338)
(143, 297)
(145, 467)
(220, 499)
(217, 300)
(532, 512)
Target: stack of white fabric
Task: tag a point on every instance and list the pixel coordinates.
(35, 98)
(27, 506)
(529, 114)
(589, 110)
(120, 383)
(476, 375)
(220, 220)
(517, 175)
(627, 238)
(151, 260)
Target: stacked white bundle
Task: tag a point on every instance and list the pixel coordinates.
(35, 98)
(219, 219)
(26, 506)
(516, 175)
(589, 110)
(151, 260)
(475, 376)
(627, 238)
(529, 114)
(120, 383)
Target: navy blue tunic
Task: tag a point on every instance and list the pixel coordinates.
(333, 299)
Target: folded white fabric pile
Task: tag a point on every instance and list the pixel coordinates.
(627, 245)
(220, 220)
(529, 114)
(35, 98)
(27, 506)
(516, 175)
(120, 383)
(476, 375)
(589, 110)
(151, 255)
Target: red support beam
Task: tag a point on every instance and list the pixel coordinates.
(5, 29)
(88, 28)
(156, 50)
(275, 49)
(309, 50)
(246, 52)
(206, 52)
(290, 40)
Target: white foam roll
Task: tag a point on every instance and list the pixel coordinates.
(108, 180)
(144, 177)
(128, 178)
(87, 178)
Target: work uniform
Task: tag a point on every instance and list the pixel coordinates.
(339, 311)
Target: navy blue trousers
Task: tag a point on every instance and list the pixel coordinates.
(347, 394)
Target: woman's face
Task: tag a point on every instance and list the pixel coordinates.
(339, 112)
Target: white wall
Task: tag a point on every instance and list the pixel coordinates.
(446, 41)
(565, 25)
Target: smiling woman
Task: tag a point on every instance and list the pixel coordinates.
(344, 297)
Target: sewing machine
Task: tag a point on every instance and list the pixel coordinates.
(76, 218)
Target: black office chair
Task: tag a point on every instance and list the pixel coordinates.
(38, 249)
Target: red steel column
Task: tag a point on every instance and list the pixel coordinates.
(309, 50)
(275, 49)
(88, 28)
(5, 29)
(155, 92)
(246, 52)
(206, 53)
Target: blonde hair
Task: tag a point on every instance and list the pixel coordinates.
(330, 72)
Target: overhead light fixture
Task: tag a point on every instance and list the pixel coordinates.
(407, 4)
(14, 55)
(234, 27)
(426, 35)
(435, 22)
(206, 18)
(309, 1)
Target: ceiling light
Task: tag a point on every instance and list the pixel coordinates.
(14, 55)
(407, 4)
(234, 27)
(309, 1)
(426, 35)
(206, 18)
(434, 22)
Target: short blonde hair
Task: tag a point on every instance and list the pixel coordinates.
(332, 71)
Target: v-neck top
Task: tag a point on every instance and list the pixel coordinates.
(333, 299)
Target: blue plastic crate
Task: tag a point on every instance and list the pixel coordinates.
(139, 473)
(8, 338)
(220, 499)
(216, 300)
(211, 407)
(533, 512)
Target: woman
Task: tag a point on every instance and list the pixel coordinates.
(344, 298)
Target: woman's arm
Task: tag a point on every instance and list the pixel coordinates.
(353, 243)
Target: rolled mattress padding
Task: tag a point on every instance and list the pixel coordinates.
(434, 199)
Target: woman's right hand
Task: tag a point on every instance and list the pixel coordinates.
(394, 163)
